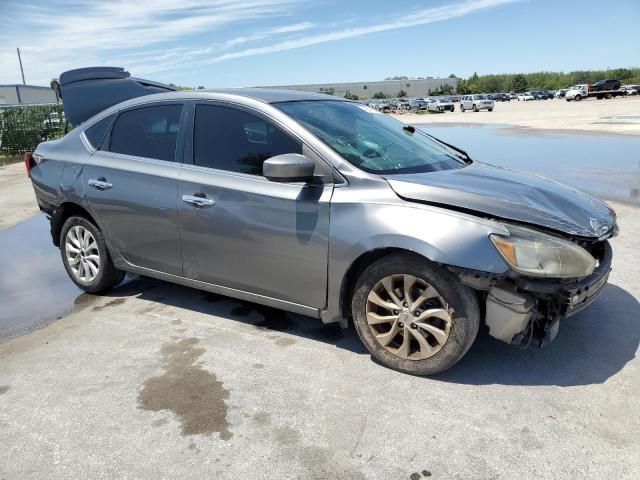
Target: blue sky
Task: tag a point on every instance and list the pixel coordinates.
(221, 43)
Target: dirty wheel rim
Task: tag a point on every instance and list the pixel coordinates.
(82, 254)
(408, 317)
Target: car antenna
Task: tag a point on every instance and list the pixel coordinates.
(409, 128)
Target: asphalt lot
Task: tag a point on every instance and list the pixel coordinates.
(161, 381)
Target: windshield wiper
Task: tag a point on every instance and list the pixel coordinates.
(466, 156)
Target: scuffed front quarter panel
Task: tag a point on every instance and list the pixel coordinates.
(367, 216)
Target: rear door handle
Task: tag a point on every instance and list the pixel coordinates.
(100, 183)
(198, 201)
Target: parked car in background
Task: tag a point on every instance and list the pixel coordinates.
(631, 89)
(403, 104)
(440, 104)
(603, 85)
(418, 104)
(382, 106)
(540, 95)
(525, 97)
(53, 120)
(476, 103)
(319, 206)
(501, 97)
(561, 93)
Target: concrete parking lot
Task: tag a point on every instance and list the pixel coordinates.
(160, 381)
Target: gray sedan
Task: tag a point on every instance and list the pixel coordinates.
(323, 207)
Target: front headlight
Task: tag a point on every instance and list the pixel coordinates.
(537, 254)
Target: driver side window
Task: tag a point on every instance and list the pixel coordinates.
(234, 140)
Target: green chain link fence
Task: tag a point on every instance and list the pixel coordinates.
(22, 128)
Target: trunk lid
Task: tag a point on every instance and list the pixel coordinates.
(88, 91)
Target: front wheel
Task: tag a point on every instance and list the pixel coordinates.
(414, 316)
(462, 108)
(490, 109)
(475, 108)
(577, 98)
(86, 258)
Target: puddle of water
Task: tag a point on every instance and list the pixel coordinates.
(625, 117)
(193, 394)
(34, 286)
(605, 165)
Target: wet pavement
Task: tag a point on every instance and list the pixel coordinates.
(34, 286)
(605, 165)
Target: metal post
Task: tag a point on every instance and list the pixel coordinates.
(21, 69)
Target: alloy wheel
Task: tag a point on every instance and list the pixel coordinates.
(408, 317)
(82, 254)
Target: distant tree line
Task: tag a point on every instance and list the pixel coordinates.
(521, 82)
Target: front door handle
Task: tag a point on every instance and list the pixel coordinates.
(198, 201)
(100, 183)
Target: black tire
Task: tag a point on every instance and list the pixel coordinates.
(608, 96)
(462, 108)
(578, 98)
(108, 275)
(475, 108)
(461, 299)
(490, 109)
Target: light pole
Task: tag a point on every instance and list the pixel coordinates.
(21, 70)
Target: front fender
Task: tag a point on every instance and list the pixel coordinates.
(441, 235)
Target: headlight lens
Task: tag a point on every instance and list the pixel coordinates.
(540, 255)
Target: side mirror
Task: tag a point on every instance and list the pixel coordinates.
(289, 167)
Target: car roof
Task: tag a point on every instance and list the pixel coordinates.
(274, 95)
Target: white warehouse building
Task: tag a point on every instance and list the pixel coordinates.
(391, 88)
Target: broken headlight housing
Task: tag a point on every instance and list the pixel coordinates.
(538, 254)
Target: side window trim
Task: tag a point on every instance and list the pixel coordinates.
(178, 154)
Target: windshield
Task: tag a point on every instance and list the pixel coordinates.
(371, 140)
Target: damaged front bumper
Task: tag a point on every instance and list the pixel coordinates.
(527, 311)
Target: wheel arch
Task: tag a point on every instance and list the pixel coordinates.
(62, 213)
(357, 267)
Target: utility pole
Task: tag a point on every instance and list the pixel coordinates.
(21, 69)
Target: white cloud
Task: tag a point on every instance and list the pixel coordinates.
(151, 36)
(431, 15)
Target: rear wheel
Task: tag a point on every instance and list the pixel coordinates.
(414, 316)
(462, 108)
(86, 258)
(608, 96)
(491, 109)
(475, 108)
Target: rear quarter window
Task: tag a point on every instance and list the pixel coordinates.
(96, 132)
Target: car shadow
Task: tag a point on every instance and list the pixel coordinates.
(259, 316)
(590, 348)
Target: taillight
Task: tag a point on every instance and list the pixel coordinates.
(28, 162)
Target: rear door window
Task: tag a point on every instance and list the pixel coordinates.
(234, 140)
(150, 132)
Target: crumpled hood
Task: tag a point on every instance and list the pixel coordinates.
(509, 195)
